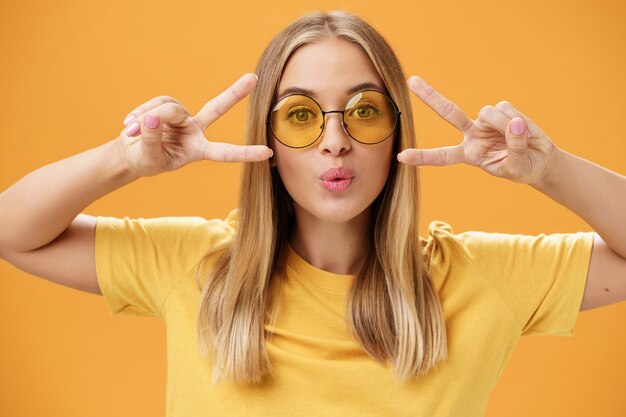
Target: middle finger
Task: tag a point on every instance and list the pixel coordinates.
(494, 118)
(149, 105)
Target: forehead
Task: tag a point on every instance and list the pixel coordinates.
(329, 70)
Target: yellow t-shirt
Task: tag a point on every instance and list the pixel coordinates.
(494, 288)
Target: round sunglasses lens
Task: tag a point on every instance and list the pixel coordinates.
(370, 117)
(296, 121)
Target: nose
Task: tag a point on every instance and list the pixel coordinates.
(334, 137)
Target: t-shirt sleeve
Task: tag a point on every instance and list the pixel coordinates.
(138, 261)
(542, 278)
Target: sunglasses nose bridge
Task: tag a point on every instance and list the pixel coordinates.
(341, 113)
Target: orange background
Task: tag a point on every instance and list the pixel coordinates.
(71, 72)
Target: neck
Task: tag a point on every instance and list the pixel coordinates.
(332, 247)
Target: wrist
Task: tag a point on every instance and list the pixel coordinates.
(552, 169)
(120, 168)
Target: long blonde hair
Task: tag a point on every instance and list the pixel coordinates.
(393, 309)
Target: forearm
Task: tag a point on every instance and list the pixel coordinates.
(42, 204)
(595, 193)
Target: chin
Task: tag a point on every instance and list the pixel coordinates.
(334, 211)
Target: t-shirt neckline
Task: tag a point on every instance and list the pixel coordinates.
(318, 277)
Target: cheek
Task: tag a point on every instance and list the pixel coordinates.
(380, 162)
(292, 168)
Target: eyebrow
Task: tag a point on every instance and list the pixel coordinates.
(351, 90)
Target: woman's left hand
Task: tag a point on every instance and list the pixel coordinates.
(502, 140)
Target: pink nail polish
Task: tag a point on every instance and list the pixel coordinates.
(151, 121)
(517, 127)
(128, 119)
(132, 129)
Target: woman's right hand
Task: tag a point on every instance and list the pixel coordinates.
(177, 137)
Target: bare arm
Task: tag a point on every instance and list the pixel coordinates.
(42, 231)
(598, 196)
(40, 206)
(595, 193)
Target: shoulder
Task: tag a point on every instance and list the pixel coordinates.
(170, 225)
(180, 239)
(442, 246)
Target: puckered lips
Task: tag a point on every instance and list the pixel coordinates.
(337, 179)
(337, 173)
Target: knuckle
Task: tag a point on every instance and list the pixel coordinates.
(153, 104)
(427, 91)
(235, 92)
(504, 105)
(467, 125)
(168, 107)
(160, 100)
(166, 110)
(485, 111)
(226, 155)
(443, 157)
(448, 108)
(218, 106)
(173, 111)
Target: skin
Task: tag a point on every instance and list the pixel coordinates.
(331, 228)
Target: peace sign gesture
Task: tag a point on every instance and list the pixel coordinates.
(164, 136)
(502, 140)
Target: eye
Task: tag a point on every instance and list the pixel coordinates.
(365, 111)
(300, 114)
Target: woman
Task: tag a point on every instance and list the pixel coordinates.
(317, 296)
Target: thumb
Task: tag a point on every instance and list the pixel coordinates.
(516, 141)
(151, 134)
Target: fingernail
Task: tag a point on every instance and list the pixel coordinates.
(517, 126)
(132, 129)
(128, 119)
(151, 121)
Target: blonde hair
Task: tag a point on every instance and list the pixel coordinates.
(393, 309)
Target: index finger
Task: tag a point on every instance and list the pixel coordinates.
(441, 105)
(227, 152)
(220, 104)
